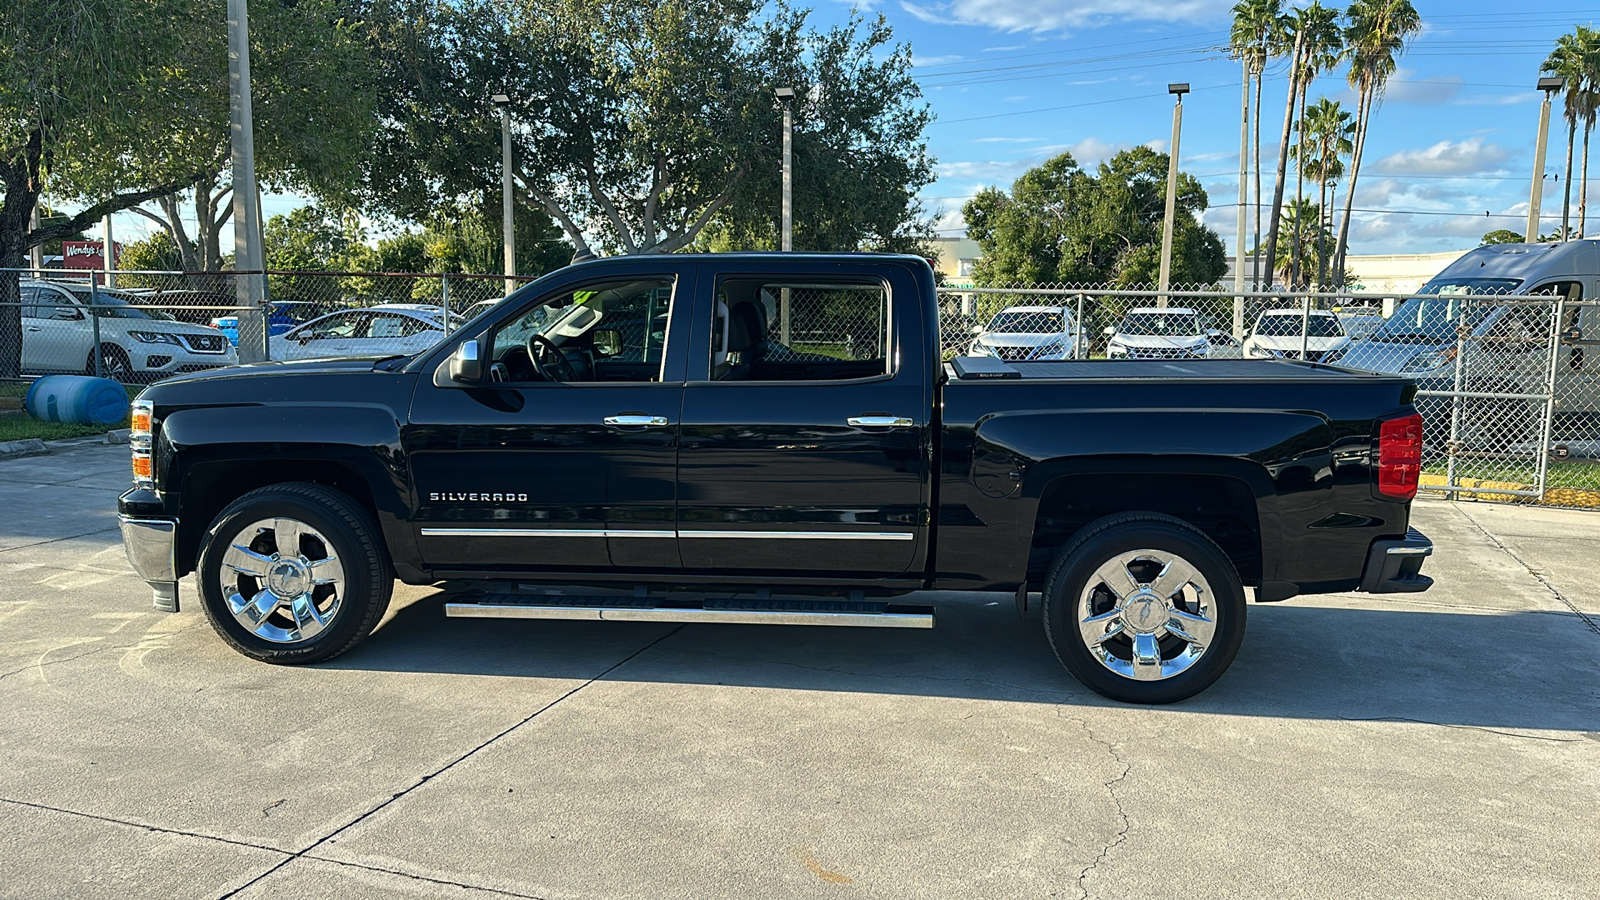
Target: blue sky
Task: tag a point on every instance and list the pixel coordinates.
(1014, 82)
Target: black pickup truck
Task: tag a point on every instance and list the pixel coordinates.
(771, 438)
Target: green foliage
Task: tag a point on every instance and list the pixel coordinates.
(1062, 224)
(1500, 236)
(638, 125)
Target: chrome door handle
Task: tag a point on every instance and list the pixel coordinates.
(635, 420)
(33, 328)
(878, 422)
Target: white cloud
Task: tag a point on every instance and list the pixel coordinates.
(1469, 157)
(1407, 86)
(1057, 15)
(930, 61)
(1006, 140)
(1498, 99)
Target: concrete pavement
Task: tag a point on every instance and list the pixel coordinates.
(1441, 745)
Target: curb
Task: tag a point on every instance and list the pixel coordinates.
(22, 448)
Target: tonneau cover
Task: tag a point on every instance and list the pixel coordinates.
(1146, 369)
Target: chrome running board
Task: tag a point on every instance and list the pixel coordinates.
(858, 613)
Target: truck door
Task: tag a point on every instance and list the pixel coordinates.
(805, 430)
(565, 458)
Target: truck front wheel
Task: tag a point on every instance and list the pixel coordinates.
(1144, 608)
(294, 573)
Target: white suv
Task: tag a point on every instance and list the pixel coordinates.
(137, 343)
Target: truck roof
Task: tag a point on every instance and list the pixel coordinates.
(1527, 261)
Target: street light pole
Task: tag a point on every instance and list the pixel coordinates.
(247, 251)
(508, 229)
(1550, 86)
(1244, 198)
(786, 94)
(1176, 90)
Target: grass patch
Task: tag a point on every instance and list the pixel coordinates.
(1581, 475)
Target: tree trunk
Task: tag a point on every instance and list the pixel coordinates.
(1583, 185)
(1296, 272)
(1566, 184)
(1274, 223)
(1256, 280)
(1342, 245)
(1322, 236)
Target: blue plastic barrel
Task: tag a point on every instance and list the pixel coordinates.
(78, 399)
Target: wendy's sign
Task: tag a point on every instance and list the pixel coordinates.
(84, 255)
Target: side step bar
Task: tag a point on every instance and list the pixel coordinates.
(859, 613)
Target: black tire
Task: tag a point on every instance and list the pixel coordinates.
(114, 363)
(1104, 540)
(350, 535)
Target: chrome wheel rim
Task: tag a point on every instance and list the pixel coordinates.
(1147, 615)
(282, 581)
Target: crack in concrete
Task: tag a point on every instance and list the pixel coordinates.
(1111, 788)
(59, 539)
(157, 829)
(445, 768)
(1538, 576)
(144, 826)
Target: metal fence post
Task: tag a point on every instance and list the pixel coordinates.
(1082, 338)
(1550, 388)
(1305, 327)
(94, 317)
(1454, 442)
(444, 301)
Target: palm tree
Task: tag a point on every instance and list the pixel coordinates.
(1331, 140)
(1569, 60)
(1376, 36)
(1303, 220)
(1324, 48)
(1301, 27)
(1257, 27)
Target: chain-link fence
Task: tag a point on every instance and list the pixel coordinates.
(142, 326)
(1509, 385)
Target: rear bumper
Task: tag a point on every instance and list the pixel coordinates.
(1395, 566)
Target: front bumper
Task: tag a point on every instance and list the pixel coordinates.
(151, 544)
(1395, 566)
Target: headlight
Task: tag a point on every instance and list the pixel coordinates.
(1260, 352)
(154, 337)
(1116, 349)
(1430, 360)
(1050, 349)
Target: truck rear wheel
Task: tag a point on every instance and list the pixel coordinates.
(1144, 608)
(294, 573)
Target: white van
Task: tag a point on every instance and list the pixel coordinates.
(1419, 339)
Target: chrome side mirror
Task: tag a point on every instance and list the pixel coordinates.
(465, 366)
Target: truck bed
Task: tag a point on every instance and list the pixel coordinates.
(967, 369)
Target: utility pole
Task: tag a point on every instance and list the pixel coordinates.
(786, 94)
(1177, 90)
(1550, 86)
(248, 254)
(508, 228)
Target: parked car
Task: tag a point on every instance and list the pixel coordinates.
(1172, 332)
(185, 305)
(1279, 333)
(281, 317)
(383, 330)
(136, 343)
(714, 475)
(1360, 324)
(1029, 332)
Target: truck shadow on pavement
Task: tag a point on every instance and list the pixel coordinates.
(1524, 670)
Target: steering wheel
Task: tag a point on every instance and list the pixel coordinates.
(558, 368)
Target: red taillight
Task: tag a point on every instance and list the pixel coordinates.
(1400, 457)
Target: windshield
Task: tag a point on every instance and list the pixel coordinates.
(1448, 286)
(1431, 320)
(1164, 324)
(123, 306)
(1288, 325)
(1027, 322)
